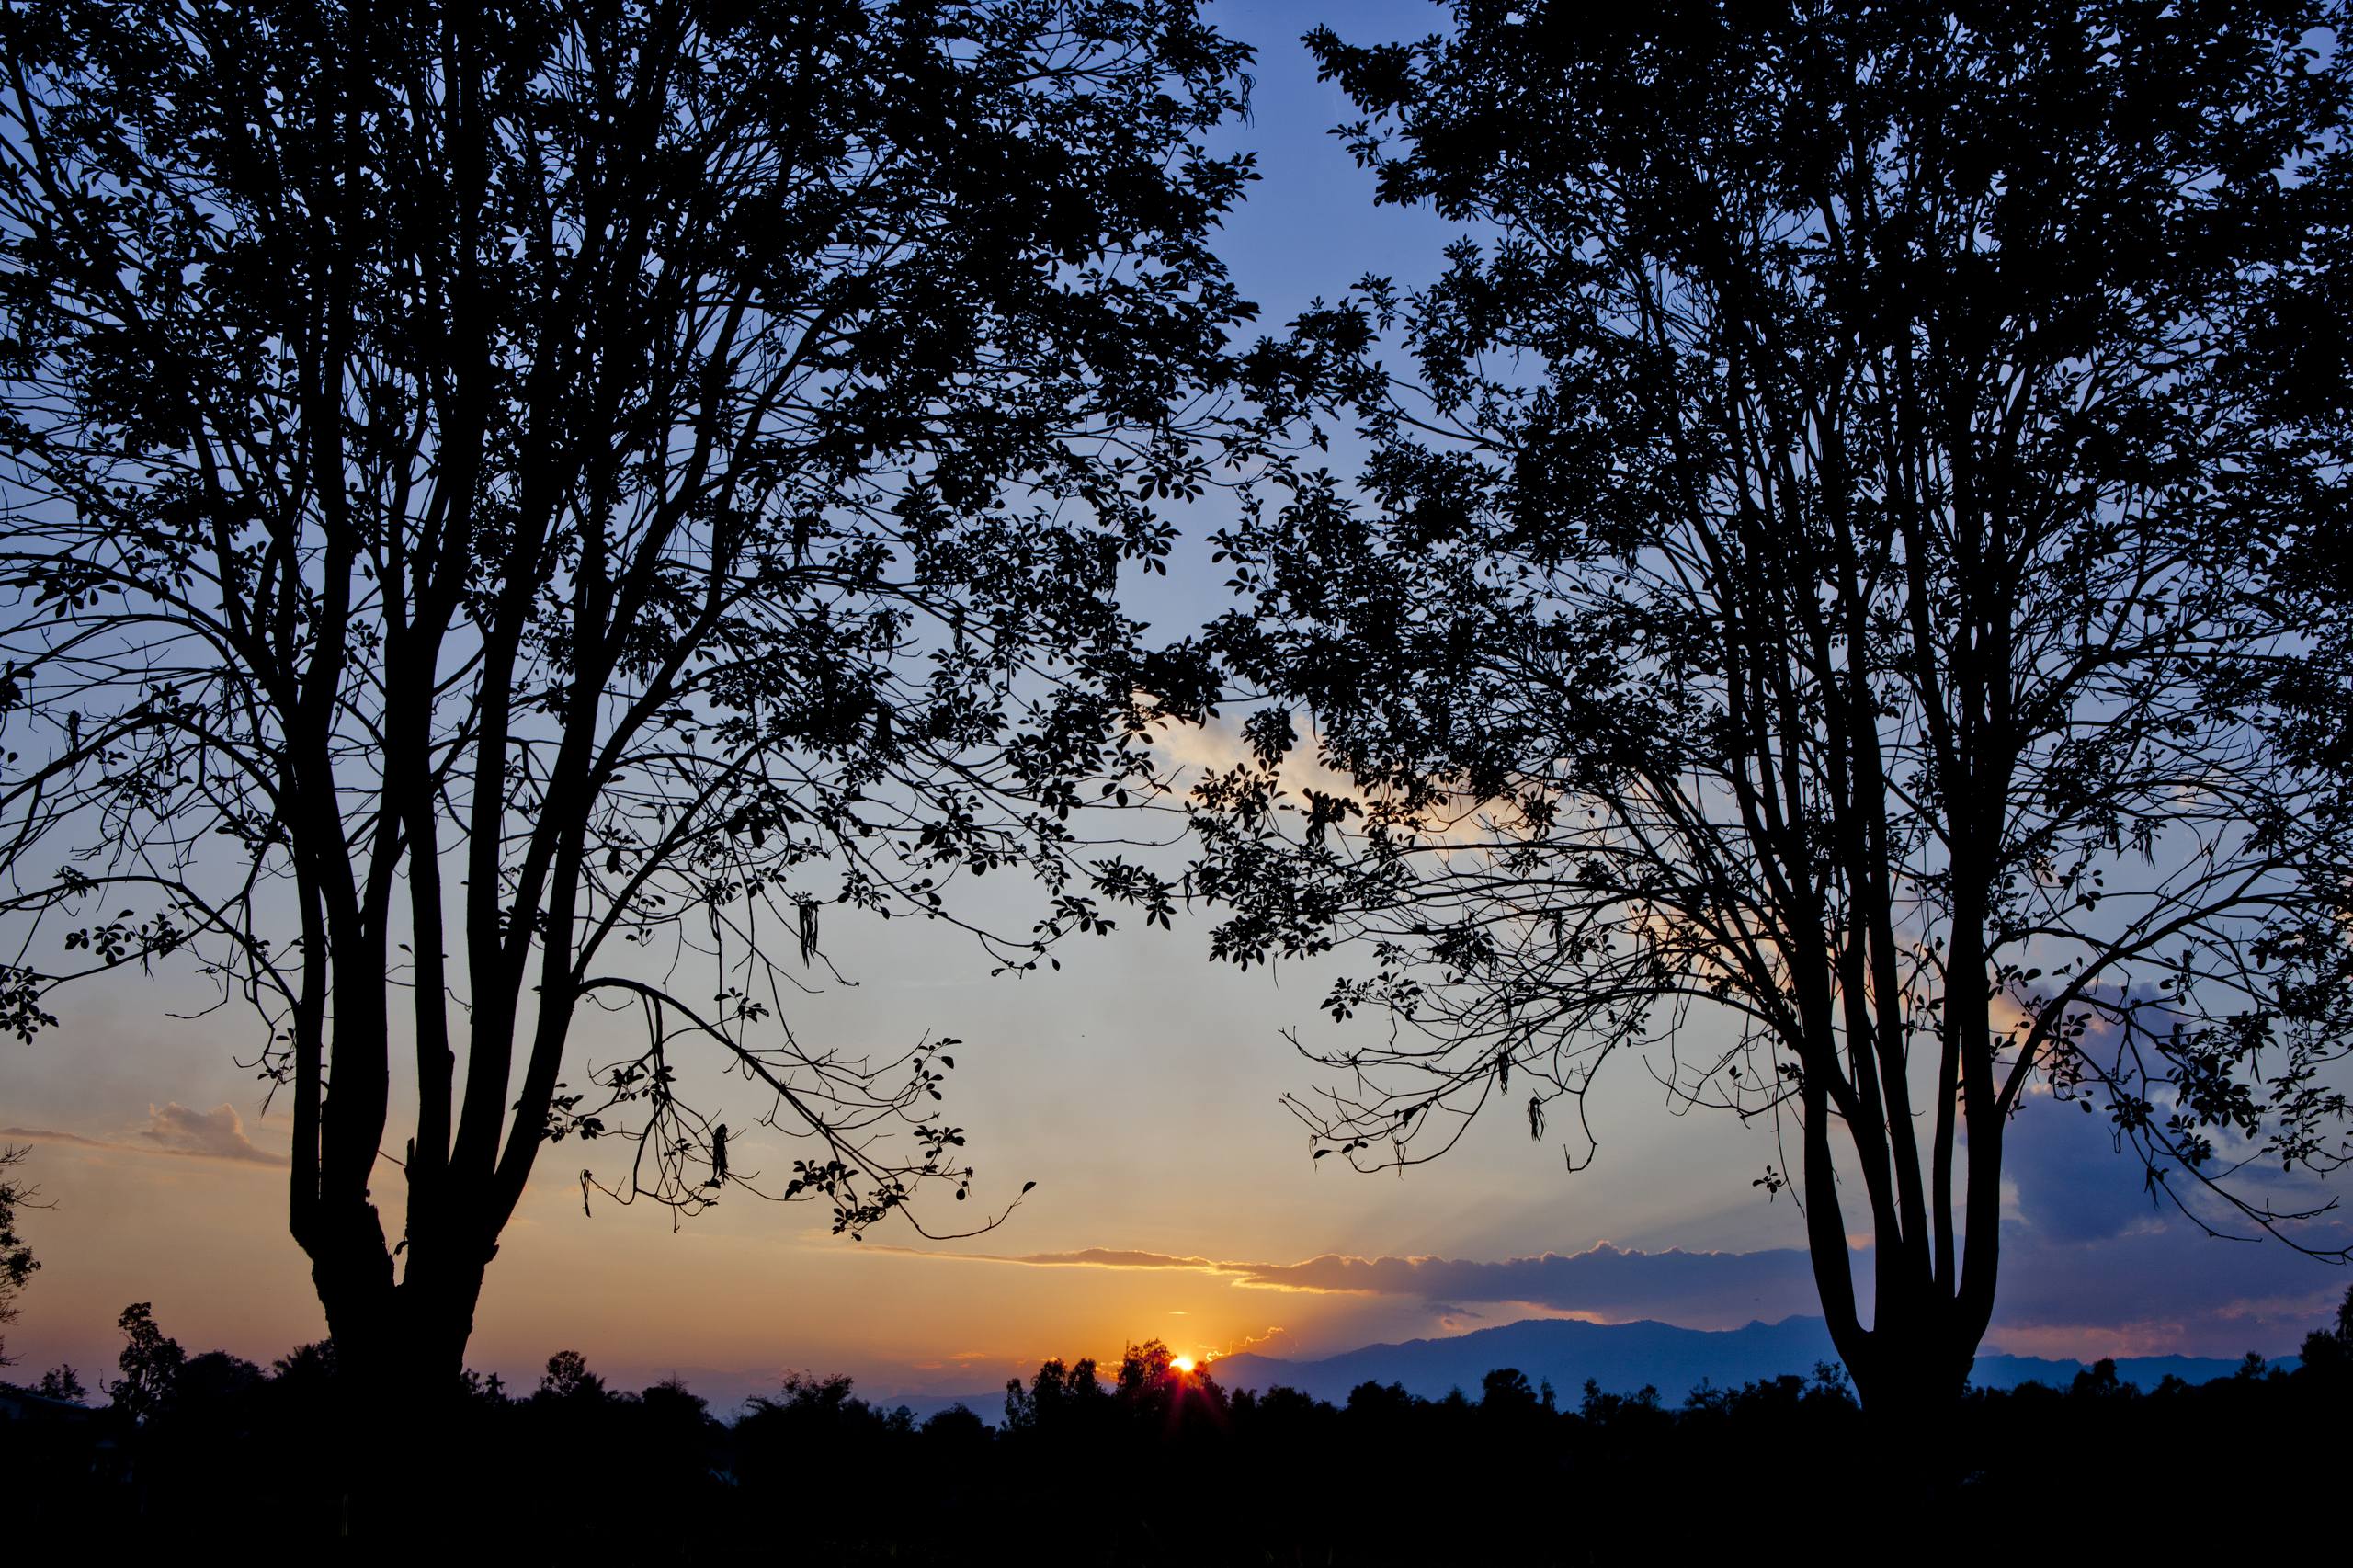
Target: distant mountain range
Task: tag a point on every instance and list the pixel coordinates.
(1622, 1357)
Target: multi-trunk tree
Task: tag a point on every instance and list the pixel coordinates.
(1840, 618)
(512, 510)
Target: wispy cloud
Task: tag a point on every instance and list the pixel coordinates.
(1097, 1257)
(1606, 1280)
(1697, 1287)
(52, 1135)
(172, 1129)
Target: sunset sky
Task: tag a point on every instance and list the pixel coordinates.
(1138, 1087)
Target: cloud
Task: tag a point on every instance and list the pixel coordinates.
(2164, 1288)
(218, 1133)
(2072, 1181)
(2095, 1260)
(52, 1135)
(1090, 1258)
(172, 1129)
(2079, 1288)
(1217, 746)
(1697, 1289)
(1278, 1341)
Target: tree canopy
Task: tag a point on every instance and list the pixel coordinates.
(515, 510)
(1836, 616)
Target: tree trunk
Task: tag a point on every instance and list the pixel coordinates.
(1910, 1366)
(1911, 1380)
(1910, 1376)
(400, 1353)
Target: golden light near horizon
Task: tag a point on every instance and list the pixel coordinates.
(1182, 1363)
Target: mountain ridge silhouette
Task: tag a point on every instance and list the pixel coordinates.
(1623, 1358)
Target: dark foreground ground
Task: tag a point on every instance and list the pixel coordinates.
(1147, 1465)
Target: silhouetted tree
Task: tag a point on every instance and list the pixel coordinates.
(1147, 1374)
(1244, 1479)
(1506, 1392)
(568, 1377)
(1053, 1395)
(217, 1377)
(17, 1260)
(957, 1427)
(1851, 567)
(815, 1442)
(2332, 1347)
(61, 1381)
(152, 1362)
(1151, 1388)
(310, 1365)
(511, 506)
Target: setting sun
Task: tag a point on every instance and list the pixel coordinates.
(1182, 1363)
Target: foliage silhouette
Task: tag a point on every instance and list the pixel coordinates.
(1851, 569)
(568, 1377)
(17, 1260)
(513, 511)
(151, 1363)
(1155, 1466)
(64, 1384)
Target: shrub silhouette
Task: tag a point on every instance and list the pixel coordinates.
(1153, 1465)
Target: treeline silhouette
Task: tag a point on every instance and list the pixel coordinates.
(1148, 1463)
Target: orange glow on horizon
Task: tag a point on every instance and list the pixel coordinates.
(1182, 1363)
